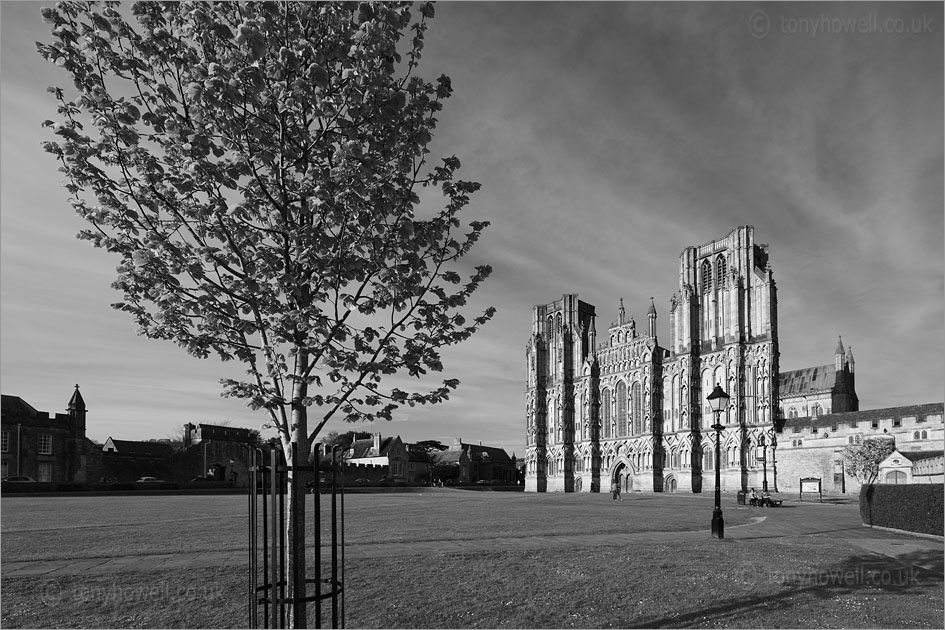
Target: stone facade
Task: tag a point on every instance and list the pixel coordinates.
(47, 447)
(813, 447)
(624, 409)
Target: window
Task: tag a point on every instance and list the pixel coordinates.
(45, 444)
(925, 435)
(621, 409)
(915, 436)
(720, 271)
(815, 410)
(897, 422)
(637, 402)
(874, 424)
(4, 470)
(44, 471)
(397, 469)
(5, 443)
(605, 406)
(706, 276)
(852, 424)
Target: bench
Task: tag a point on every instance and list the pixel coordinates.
(772, 502)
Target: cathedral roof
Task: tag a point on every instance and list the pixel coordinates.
(812, 379)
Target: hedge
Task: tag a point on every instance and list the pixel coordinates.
(911, 507)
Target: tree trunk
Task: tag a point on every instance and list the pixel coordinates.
(297, 455)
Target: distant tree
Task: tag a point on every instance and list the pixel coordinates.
(256, 167)
(862, 460)
(428, 446)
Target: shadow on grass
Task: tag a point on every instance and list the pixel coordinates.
(912, 572)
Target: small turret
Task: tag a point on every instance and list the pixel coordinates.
(76, 409)
(621, 313)
(850, 358)
(839, 355)
(651, 315)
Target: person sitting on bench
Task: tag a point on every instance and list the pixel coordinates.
(752, 497)
(766, 499)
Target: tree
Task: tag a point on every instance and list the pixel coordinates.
(428, 446)
(256, 169)
(862, 460)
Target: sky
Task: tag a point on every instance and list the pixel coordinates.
(607, 137)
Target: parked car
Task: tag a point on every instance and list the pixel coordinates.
(19, 479)
(149, 480)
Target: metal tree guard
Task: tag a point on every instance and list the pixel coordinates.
(269, 603)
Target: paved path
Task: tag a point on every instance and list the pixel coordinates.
(792, 521)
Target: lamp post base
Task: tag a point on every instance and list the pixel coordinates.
(718, 525)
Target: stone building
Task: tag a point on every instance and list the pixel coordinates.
(813, 446)
(624, 409)
(47, 447)
(822, 389)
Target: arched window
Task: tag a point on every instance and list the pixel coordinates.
(708, 457)
(815, 410)
(792, 412)
(915, 436)
(621, 409)
(636, 396)
(720, 271)
(607, 412)
(674, 458)
(706, 276)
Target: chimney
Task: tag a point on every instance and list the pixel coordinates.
(377, 444)
(457, 442)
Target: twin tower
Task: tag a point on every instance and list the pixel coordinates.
(609, 404)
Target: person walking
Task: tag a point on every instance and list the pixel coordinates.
(615, 489)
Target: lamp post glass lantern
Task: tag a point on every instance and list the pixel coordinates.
(718, 401)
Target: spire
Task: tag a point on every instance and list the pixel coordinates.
(76, 403)
(651, 314)
(621, 312)
(850, 358)
(839, 355)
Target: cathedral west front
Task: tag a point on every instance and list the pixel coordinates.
(611, 404)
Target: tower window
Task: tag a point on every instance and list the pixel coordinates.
(706, 276)
(720, 271)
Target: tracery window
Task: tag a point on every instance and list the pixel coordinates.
(706, 276)
(621, 409)
(720, 270)
(607, 412)
(636, 397)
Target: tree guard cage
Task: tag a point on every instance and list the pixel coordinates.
(269, 602)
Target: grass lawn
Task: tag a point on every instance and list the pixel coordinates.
(50, 528)
(809, 581)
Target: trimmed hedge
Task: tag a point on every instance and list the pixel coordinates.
(912, 507)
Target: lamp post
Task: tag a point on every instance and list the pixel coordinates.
(764, 463)
(718, 400)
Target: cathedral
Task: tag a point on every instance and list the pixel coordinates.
(616, 406)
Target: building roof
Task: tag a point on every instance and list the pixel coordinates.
(830, 419)
(362, 448)
(917, 456)
(812, 379)
(140, 449)
(16, 406)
